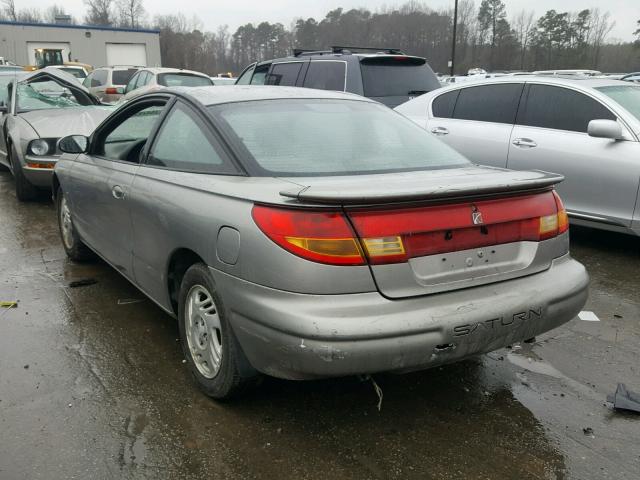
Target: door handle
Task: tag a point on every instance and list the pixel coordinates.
(524, 142)
(440, 131)
(117, 192)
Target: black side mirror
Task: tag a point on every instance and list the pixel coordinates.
(74, 144)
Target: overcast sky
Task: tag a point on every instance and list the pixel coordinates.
(237, 12)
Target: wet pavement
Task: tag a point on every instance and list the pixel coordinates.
(92, 385)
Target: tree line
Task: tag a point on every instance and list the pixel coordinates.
(486, 35)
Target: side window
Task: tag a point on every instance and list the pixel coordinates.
(284, 74)
(442, 106)
(131, 84)
(260, 74)
(128, 136)
(560, 109)
(489, 103)
(99, 78)
(183, 131)
(245, 77)
(145, 78)
(87, 81)
(326, 75)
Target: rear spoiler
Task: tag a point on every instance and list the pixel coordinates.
(396, 190)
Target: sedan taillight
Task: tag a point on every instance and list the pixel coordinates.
(320, 236)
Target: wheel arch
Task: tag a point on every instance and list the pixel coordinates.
(180, 260)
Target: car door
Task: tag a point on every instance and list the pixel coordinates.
(477, 120)
(101, 182)
(601, 175)
(164, 210)
(5, 118)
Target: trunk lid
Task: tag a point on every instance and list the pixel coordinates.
(433, 231)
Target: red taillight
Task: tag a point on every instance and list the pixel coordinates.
(398, 234)
(563, 218)
(111, 91)
(321, 236)
(420, 231)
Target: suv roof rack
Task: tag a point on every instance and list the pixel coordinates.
(297, 52)
(336, 49)
(344, 49)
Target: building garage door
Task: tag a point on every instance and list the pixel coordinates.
(127, 54)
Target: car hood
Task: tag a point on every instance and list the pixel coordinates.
(55, 123)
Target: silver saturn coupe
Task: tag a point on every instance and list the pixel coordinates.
(304, 234)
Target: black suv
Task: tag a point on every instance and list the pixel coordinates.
(386, 75)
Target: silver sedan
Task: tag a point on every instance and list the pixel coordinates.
(306, 234)
(586, 129)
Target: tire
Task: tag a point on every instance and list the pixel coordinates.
(25, 191)
(210, 347)
(74, 247)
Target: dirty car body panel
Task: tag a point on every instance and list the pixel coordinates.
(297, 311)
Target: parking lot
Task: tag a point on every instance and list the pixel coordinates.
(93, 385)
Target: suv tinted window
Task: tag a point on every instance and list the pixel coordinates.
(489, 103)
(284, 74)
(387, 76)
(561, 109)
(326, 75)
(121, 77)
(442, 106)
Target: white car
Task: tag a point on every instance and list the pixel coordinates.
(157, 78)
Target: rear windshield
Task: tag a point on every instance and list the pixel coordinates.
(626, 95)
(183, 80)
(76, 72)
(122, 77)
(397, 76)
(312, 137)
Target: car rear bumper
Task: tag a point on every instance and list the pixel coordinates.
(297, 336)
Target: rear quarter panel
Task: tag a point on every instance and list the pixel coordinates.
(174, 210)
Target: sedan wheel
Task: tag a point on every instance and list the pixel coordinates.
(210, 347)
(74, 247)
(25, 191)
(203, 331)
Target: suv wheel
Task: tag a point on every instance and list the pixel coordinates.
(74, 247)
(25, 191)
(210, 347)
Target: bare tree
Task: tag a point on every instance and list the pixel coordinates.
(9, 9)
(98, 12)
(523, 25)
(130, 12)
(601, 26)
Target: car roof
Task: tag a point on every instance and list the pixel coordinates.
(357, 56)
(573, 80)
(156, 70)
(214, 95)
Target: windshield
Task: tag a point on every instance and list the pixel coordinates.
(626, 95)
(311, 137)
(397, 76)
(183, 80)
(44, 94)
